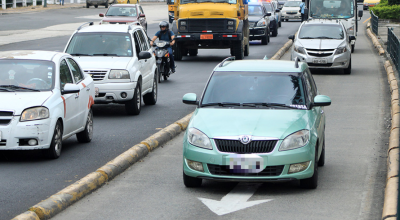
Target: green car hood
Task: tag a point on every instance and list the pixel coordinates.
(274, 123)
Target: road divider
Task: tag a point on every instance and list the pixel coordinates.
(93, 181)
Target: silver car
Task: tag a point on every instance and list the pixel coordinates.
(323, 44)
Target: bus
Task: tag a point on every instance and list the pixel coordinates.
(343, 10)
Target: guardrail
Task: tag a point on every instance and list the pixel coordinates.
(393, 48)
(374, 23)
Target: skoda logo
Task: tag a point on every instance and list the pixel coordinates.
(245, 139)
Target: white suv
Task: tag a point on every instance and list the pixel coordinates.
(120, 60)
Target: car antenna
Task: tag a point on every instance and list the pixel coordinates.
(226, 59)
(90, 24)
(296, 62)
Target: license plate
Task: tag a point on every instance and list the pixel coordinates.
(320, 61)
(206, 36)
(241, 163)
(96, 91)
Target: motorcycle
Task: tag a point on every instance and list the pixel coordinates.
(162, 59)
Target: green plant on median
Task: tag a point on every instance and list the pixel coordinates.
(387, 9)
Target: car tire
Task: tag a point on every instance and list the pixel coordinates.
(54, 150)
(352, 48)
(247, 49)
(237, 50)
(347, 71)
(178, 52)
(321, 161)
(106, 5)
(87, 5)
(193, 52)
(286, 19)
(280, 23)
(96, 6)
(264, 40)
(133, 106)
(86, 135)
(191, 181)
(275, 32)
(312, 182)
(151, 98)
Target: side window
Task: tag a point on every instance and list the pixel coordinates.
(137, 42)
(65, 74)
(313, 85)
(310, 91)
(143, 41)
(76, 71)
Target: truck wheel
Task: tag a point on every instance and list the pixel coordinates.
(237, 50)
(87, 5)
(193, 52)
(178, 52)
(247, 49)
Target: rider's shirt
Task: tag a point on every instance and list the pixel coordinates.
(164, 36)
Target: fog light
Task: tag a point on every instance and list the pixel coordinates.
(123, 95)
(195, 165)
(298, 167)
(32, 142)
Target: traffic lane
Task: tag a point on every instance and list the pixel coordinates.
(114, 131)
(350, 184)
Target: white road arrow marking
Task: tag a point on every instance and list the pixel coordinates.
(235, 200)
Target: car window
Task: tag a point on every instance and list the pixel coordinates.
(321, 31)
(100, 44)
(253, 87)
(292, 4)
(122, 11)
(269, 7)
(76, 71)
(311, 93)
(255, 10)
(65, 74)
(137, 43)
(143, 40)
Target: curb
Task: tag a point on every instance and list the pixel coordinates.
(95, 180)
(392, 178)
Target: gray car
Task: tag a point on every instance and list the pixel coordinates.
(323, 44)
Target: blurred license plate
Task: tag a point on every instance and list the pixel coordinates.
(96, 91)
(320, 61)
(242, 163)
(206, 36)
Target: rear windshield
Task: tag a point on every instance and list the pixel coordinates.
(292, 4)
(122, 11)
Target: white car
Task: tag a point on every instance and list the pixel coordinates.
(290, 10)
(323, 44)
(121, 62)
(45, 99)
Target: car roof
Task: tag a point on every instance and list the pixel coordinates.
(322, 21)
(30, 54)
(124, 5)
(121, 28)
(276, 66)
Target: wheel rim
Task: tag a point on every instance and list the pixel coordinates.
(138, 97)
(57, 140)
(89, 125)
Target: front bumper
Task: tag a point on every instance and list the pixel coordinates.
(111, 92)
(96, 2)
(208, 36)
(340, 61)
(12, 134)
(291, 16)
(214, 159)
(257, 33)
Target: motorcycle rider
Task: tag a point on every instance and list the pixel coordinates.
(165, 34)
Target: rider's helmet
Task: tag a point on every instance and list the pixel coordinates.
(164, 24)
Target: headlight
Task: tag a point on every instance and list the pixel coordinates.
(198, 139)
(295, 140)
(341, 49)
(261, 23)
(183, 22)
(230, 22)
(119, 74)
(35, 113)
(299, 49)
(105, 22)
(350, 30)
(161, 44)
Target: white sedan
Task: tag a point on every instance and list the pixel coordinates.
(45, 99)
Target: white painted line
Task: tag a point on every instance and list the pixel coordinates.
(235, 200)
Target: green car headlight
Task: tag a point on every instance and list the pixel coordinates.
(295, 140)
(119, 74)
(198, 139)
(35, 113)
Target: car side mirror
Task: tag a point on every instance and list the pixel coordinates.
(190, 99)
(360, 13)
(142, 15)
(144, 55)
(322, 100)
(291, 37)
(267, 14)
(70, 88)
(351, 37)
(101, 15)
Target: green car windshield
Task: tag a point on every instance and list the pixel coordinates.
(246, 88)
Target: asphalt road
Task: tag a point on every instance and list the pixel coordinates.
(26, 178)
(351, 183)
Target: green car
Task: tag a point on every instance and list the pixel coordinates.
(256, 121)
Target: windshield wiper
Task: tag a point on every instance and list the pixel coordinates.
(105, 54)
(324, 37)
(222, 104)
(17, 87)
(307, 38)
(269, 104)
(79, 54)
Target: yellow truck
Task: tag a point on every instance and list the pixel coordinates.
(210, 24)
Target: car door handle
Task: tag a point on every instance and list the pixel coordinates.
(77, 96)
(88, 89)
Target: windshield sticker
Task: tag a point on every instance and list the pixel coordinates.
(11, 74)
(299, 106)
(49, 74)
